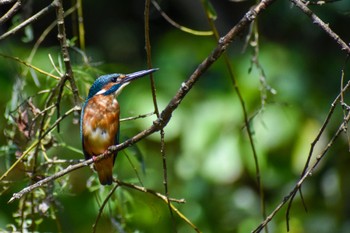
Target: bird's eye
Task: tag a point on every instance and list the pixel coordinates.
(114, 79)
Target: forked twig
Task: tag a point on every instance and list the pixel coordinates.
(325, 27)
(30, 20)
(165, 115)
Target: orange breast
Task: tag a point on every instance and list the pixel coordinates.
(100, 124)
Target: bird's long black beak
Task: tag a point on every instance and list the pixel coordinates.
(138, 74)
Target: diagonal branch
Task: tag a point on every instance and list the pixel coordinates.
(316, 20)
(307, 171)
(166, 114)
(29, 20)
(11, 12)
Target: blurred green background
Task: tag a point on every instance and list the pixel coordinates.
(209, 158)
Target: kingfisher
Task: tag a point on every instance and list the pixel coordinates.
(99, 122)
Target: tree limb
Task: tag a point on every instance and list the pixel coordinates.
(29, 20)
(166, 114)
(316, 20)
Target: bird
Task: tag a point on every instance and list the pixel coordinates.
(99, 121)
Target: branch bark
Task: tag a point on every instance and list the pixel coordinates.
(166, 114)
(29, 20)
(316, 20)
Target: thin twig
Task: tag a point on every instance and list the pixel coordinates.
(30, 20)
(66, 58)
(43, 123)
(246, 121)
(156, 110)
(30, 66)
(303, 178)
(11, 12)
(136, 117)
(263, 93)
(166, 114)
(36, 143)
(308, 171)
(145, 190)
(46, 32)
(94, 226)
(316, 20)
(180, 27)
(165, 199)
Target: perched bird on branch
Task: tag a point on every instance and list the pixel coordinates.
(99, 122)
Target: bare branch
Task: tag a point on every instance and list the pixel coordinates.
(308, 171)
(316, 20)
(137, 117)
(30, 66)
(166, 199)
(30, 20)
(11, 12)
(156, 109)
(165, 115)
(66, 58)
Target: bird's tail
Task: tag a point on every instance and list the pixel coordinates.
(104, 170)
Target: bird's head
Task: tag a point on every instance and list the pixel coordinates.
(113, 83)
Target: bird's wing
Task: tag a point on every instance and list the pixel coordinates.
(87, 156)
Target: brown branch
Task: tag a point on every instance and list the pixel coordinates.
(246, 121)
(165, 198)
(145, 190)
(303, 178)
(165, 115)
(11, 12)
(338, 99)
(316, 20)
(137, 117)
(36, 143)
(156, 110)
(308, 171)
(66, 58)
(50, 178)
(29, 20)
(45, 115)
(46, 32)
